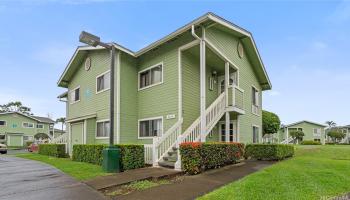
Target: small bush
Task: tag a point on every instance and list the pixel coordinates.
(132, 156)
(269, 151)
(55, 150)
(310, 142)
(196, 157)
(28, 143)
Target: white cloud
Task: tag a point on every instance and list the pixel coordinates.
(55, 54)
(318, 45)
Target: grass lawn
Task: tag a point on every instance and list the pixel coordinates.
(78, 170)
(316, 172)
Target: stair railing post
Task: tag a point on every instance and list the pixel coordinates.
(155, 152)
(178, 162)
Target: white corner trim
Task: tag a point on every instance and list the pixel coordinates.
(118, 96)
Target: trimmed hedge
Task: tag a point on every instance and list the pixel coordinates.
(269, 151)
(310, 142)
(197, 157)
(55, 150)
(132, 155)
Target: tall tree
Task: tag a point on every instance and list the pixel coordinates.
(331, 124)
(270, 122)
(61, 120)
(15, 106)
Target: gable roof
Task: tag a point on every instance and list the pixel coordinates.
(36, 118)
(246, 37)
(306, 121)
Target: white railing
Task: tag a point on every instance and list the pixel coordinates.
(62, 139)
(287, 141)
(148, 153)
(212, 115)
(162, 145)
(238, 95)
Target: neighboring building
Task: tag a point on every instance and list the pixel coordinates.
(312, 130)
(58, 132)
(343, 129)
(17, 128)
(207, 75)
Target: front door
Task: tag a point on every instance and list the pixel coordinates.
(233, 132)
(77, 131)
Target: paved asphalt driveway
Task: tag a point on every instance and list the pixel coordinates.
(31, 180)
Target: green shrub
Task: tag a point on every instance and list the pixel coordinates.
(28, 143)
(55, 150)
(269, 151)
(132, 156)
(196, 156)
(310, 142)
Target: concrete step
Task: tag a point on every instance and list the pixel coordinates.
(172, 158)
(170, 153)
(167, 164)
(175, 148)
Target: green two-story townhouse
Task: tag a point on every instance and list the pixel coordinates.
(17, 128)
(203, 82)
(312, 131)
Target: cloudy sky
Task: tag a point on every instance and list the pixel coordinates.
(305, 47)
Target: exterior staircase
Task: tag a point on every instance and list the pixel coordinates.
(287, 141)
(62, 139)
(166, 148)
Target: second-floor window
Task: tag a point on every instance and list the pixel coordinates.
(255, 101)
(103, 82)
(151, 76)
(75, 95)
(40, 126)
(28, 125)
(2, 123)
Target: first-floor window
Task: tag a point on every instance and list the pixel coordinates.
(2, 123)
(317, 131)
(28, 138)
(317, 140)
(28, 125)
(150, 128)
(102, 129)
(255, 134)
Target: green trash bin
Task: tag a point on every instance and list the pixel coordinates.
(111, 159)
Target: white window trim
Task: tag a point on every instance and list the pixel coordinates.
(148, 119)
(40, 124)
(32, 137)
(316, 134)
(27, 123)
(257, 126)
(258, 106)
(98, 92)
(99, 121)
(149, 68)
(4, 124)
(69, 95)
(235, 121)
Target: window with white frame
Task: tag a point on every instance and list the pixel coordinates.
(2, 137)
(317, 131)
(75, 95)
(255, 101)
(40, 126)
(103, 82)
(2, 123)
(150, 128)
(28, 125)
(102, 130)
(255, 134)
(151, 76)
(27, 138)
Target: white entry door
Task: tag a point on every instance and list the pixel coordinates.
(233, 131)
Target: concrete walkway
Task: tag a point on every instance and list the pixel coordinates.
(23, 179)
(195, 186)
(131, 176)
